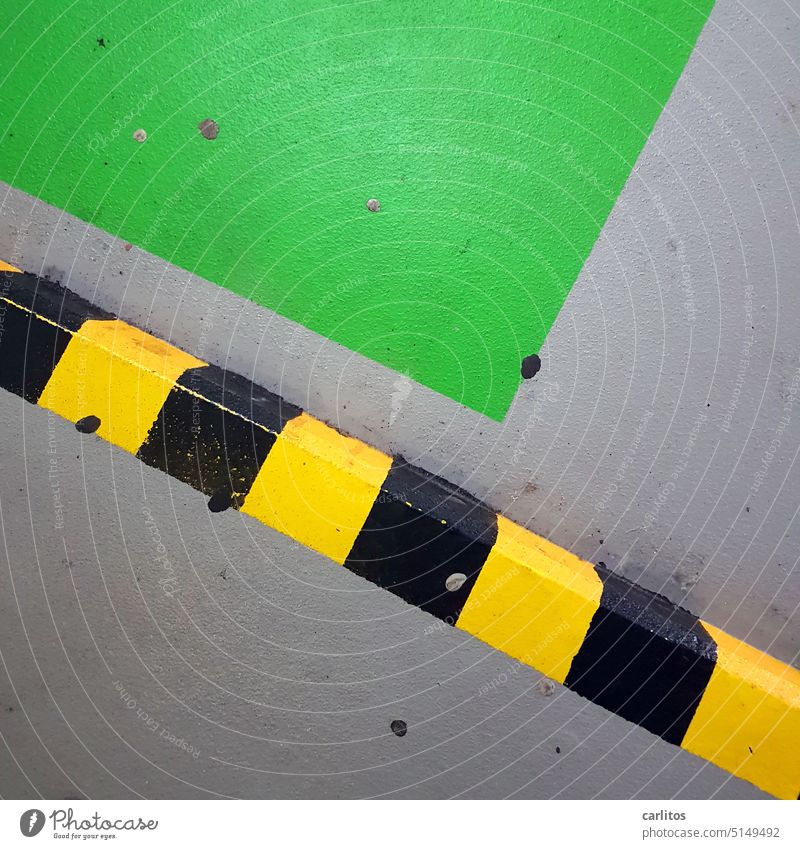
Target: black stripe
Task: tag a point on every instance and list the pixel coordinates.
(214, 450)
(50, 300)
(240, 395)
(30, 348)
(644, 659)
(408, 551)
(29, 351)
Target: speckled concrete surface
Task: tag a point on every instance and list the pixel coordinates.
(660, 435)
(153, 648)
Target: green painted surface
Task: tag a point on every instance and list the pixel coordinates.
(496, 136)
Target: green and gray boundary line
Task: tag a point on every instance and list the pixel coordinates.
(413, 534)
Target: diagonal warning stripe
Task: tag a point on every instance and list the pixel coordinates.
(411, 533)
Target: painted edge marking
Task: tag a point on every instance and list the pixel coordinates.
(119, 374)
(636, 642)
(748, 720)
(317, 486)
(420, 532)
(434, 545)
(201, 443)
(30, 350)
(533, 607)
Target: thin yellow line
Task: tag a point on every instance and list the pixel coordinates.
(728, 716)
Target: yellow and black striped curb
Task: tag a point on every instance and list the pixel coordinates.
(417, 536)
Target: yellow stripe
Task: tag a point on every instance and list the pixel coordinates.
(748, 720)
(317, 486)
(119, 374)
(532, 600)
(4, 266)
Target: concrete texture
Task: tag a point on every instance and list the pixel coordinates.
(152, 648)
(660, 435)
(493, 137)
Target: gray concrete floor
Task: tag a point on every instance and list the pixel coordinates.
(258, 669)
(659, 436)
